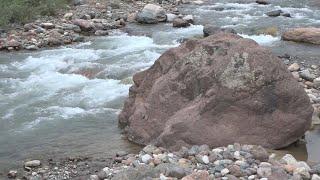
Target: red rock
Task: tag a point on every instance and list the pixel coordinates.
(84, 25)
(306, 35)
(217, 91)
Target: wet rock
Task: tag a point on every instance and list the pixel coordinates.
(209, 82)
(188, 18)
(171, 17)
(264, 2)
(12, 174)
(209, 30)
(101, 33)
(286, 14)
(178, 22)
(151, 14)
(306, 35)
(274, 13)
(32, 164)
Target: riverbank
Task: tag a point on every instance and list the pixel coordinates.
(198, 162)
(82, 20)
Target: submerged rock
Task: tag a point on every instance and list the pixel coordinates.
(33, 163)
(216, 91)
(307, 35)
(274, 13)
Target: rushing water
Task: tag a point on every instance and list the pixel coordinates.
(65, 101)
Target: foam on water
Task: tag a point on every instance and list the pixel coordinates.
(262, 39)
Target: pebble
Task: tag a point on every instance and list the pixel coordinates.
(224, 171)
(146, 158)
(12, 174)
(315, 177)
(294, 67)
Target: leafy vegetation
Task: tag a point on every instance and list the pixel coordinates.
(22, 11)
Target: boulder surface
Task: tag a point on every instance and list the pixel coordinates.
(217, 91)
(307, 35)
(151, 14)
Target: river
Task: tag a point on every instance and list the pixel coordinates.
(65, 101)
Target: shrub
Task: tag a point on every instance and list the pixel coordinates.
(22, 11)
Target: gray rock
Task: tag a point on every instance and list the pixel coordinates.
(33, 163)
(316, 169)
(47, 25)
(264, 2)
(274, 13)
(101, 33)
(78, 2)
(31, 47)
(171, 17)
(315, 177)
(260, 153)
(177, 172)
(12, 174)
(151, 14)
(146, 158)
(305, 74)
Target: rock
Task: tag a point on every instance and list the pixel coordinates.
(303, 172)
(202, 159)
(151, 14)
(278, 173)
(178, 22)
(146, 158)
(274, 13)
(47, 25)
(286, 14)
(305, 74)
(84, 25)
(32, 47)
(94, 177)
(171, 17)
(201, 175)
(32, 164)
(235, 170)
(264, 2)
(78, 2)
(296, 75)
(121, 153)
(224, 171)
(85, 17)
(264, 170)
(188, 18)
(101, 33)
(260, 153)
(289, 159)
(209, 30)
(294, 67)
(177, 172)
(12, 174)
(306, 35)
(71, 27)
(315, 177)
(216, 91)
(68, 16)
(316, 169)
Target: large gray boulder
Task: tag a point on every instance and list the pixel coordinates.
(151, 14)
(217, 91)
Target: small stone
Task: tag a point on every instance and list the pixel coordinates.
(305, 74)
(224, 171)
(101, 33)
(12, 174)
(289, 168)
(315, 177)
(294, 67)
(264, 171)
(316, 82)
(94, 177)
(149, 149)
(201, 175)
(251, 177)
(260, 153)
(303, 172)
(32, 164)
(47, 25)
(289, 159)
(171, 17)
(146, 158)
(176, 172)
(68, 16)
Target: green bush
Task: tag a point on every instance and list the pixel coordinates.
(22, 11)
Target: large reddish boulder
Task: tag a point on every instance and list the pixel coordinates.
(217, 91)
(307, 35)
